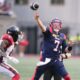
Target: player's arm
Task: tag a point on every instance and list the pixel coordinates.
(66, 52)
(13, 59)
(67, 47)
(8, 51)
(40, 23)
(3, 44)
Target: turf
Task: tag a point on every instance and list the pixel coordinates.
(27, 65)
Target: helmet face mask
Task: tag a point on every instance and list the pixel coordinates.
(56, 25)
(20, 36)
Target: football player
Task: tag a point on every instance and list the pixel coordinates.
(52, 48)
(49, 74)
(7, 43)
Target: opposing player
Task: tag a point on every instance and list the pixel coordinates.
(7, 43)
(52, 48)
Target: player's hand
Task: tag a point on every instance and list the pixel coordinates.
(62, 56)
(36, 15)
(65, 56)
(14, 60)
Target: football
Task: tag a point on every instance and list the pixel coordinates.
(34, 6)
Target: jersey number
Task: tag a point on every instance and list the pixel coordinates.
(57, 45)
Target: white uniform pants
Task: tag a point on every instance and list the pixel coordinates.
(7, 69)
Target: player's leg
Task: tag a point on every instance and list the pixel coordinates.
(57, 77)
(60, 69)
(64, 74)
(16, 77)
(42, 65)
(38, 72)
(7, 69)
(48, 75)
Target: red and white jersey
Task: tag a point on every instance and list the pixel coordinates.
(6, 46)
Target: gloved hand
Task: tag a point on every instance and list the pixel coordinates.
(14, 60)
(65, 56)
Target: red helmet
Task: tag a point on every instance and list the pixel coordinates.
(55, 25)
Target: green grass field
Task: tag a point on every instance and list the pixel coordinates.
(27, 65)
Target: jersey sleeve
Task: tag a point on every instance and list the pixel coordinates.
(63, 36)
(64, 43)
(47, 32)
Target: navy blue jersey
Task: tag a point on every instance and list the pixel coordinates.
(53, 45)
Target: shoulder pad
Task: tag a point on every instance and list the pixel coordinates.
(8, 38)
(63, 36)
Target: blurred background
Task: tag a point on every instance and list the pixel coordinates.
(18, 12)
